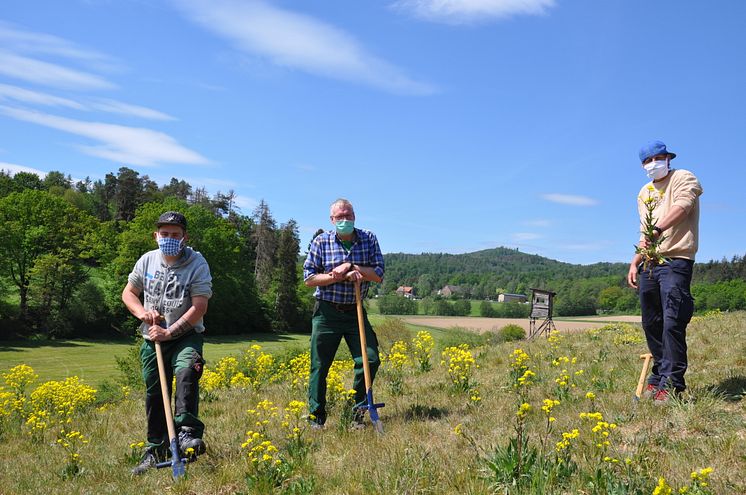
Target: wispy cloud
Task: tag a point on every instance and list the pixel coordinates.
(133, 145)
(22, 95)
(19, 40)
(298, 41)
(470, 11)
(246, 203)
(525, 236)
(49, 74)
(568, 199)
(14, 169)
(539, 222)
(114, 106)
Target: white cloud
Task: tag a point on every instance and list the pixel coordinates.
(118, 143)
(8, 92)
(525, 236)
(19, 40)
(469, 11)
(48, 74)
(114, 106)
(539, 222)
(568, 199)
(14, 169)
(298, 41)
(246, 203)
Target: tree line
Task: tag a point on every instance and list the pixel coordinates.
(67, 247)
(581, 289)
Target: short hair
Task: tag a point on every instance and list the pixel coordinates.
(341, 201)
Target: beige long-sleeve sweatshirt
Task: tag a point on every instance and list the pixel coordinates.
(680, 188)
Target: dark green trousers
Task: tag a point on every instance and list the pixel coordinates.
(183, 358)
(329, 327)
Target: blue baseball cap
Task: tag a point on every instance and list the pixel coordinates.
(654, 148)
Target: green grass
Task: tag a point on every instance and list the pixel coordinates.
(94, 362)
(420, 452)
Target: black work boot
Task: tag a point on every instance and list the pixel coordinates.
(148, 461)
(188, 441)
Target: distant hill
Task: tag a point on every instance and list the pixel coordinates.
(487, 272)
(581, 289)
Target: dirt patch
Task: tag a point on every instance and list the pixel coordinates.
(478, 324)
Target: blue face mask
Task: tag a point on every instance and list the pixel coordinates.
(170, 246)
(345, 227)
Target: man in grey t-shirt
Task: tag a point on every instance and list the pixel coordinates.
(175, 284)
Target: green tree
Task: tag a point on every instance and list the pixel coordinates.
(37, 227)
(265, 240)
(57, 179)
(462, 307)
(178, 189)
(392, 304)
(127, 193)
(287, 304)
(27, 180)
(486, 310)
(234, 307)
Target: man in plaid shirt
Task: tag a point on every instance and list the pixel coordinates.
(336, 260)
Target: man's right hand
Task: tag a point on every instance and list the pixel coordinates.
(340, 272)
(632, 276)
(151, 317)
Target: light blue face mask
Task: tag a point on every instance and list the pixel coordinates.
(345, 227)
(170, 246)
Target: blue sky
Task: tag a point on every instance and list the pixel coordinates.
(452, 126)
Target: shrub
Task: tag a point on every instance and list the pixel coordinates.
(396, 305)
(486, 310)
(512, 332)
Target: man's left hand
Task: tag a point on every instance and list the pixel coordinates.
(158, 334)
(354, 275)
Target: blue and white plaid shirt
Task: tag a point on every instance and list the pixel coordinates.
(327, 252)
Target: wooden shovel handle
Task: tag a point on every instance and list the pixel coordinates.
(164, 392)
(643, 374)
(361, 330)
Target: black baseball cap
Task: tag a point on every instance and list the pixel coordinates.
(172, 218)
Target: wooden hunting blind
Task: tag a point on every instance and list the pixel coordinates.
(542, 302)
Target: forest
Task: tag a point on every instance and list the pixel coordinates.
(66, 248)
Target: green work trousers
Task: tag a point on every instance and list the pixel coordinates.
(329, 326)
(182, 358)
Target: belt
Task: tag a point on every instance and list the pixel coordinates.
(341, 306)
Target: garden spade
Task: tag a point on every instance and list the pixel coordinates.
(177, 463)
(370, 405)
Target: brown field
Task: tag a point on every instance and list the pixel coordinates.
(479, 324)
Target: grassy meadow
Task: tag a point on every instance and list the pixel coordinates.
(548, 416)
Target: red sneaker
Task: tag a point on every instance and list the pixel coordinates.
(661, 397)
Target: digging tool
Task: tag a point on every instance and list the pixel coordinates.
(177, 463)
(643, 374)
(370, 405)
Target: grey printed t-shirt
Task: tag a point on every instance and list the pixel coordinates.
(169, 289)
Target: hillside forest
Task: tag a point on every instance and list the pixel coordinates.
(66, 248)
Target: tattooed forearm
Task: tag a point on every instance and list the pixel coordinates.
(179, 328)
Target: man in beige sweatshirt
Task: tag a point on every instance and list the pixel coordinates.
(665, 299)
